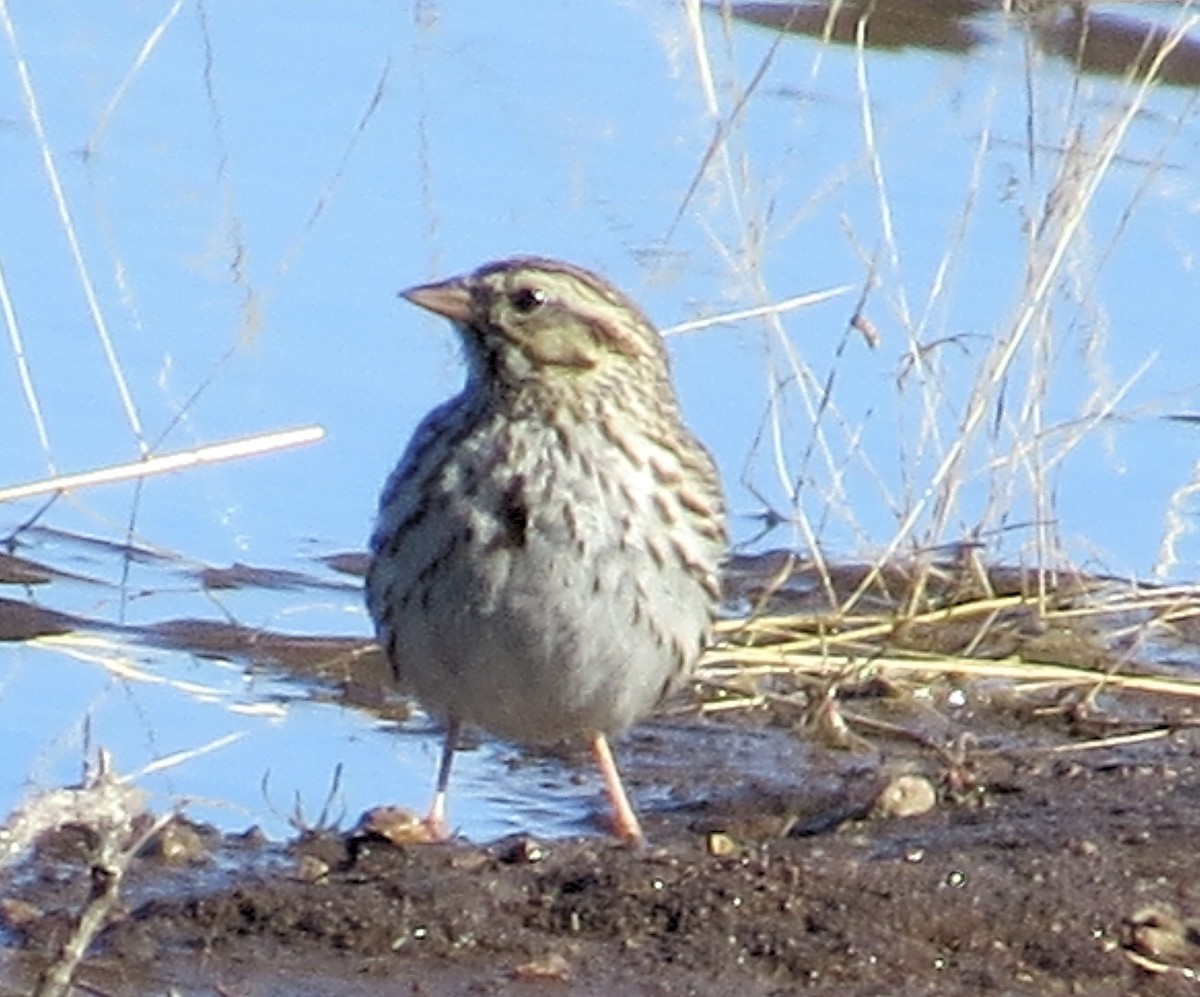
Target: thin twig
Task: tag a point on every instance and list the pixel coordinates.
(247, 446)
(778, 308)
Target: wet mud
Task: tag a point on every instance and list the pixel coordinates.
(1023, 873)
(998, 794)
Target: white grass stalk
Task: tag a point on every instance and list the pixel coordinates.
(68, 224)
(247, 446)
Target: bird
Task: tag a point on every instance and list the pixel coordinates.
(545, 562)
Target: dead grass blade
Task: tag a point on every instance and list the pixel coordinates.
(247, 446)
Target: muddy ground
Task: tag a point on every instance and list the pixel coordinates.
(1037, 871)
(993, 824)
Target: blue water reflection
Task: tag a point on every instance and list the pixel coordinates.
(249, 199)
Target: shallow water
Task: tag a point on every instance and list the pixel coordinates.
(249, 196)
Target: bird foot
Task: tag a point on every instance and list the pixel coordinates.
(403, 827)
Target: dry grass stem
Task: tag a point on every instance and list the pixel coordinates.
(58, 192)
(247, 446)
(1084, 634)
(116, 848)
(779, 308)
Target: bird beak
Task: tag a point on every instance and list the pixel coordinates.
(450, 299)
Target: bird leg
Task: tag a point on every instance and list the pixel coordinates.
(625, 821)
(439, 830)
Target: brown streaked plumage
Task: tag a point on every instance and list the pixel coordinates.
(544, 564)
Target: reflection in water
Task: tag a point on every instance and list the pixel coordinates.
(1093, 42)
(898, 24)
(1112, 45)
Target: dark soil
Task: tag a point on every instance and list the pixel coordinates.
(826, 831)
(1050, 873)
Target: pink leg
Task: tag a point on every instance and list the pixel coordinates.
(625, 821)
(439, 830)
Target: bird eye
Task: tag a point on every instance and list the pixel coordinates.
(528, 299)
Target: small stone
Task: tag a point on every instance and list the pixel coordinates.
(178, 844)
(1158, 932)
(552, 966)
(15, 915)
(396, 825)
(720, 844)
(521, 849)
(310, 869)
(906, 796)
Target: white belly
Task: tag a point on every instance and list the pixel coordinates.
(557, 599)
